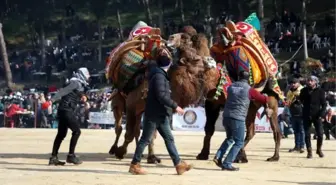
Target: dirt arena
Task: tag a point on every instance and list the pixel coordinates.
(24, 156)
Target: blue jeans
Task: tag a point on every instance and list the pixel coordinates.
(285, 131)
(299, 135)
(235, 131)
(163, 127)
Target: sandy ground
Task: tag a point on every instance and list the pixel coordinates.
(24, 154)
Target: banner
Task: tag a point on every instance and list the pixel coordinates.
(106, 118)
(262, 123)
(193, 120)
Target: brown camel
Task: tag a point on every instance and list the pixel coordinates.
(189, 68)
(226, 47)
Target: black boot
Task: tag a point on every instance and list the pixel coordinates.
(54, 161)
(319, 148)
(309, 153)
(71, 158)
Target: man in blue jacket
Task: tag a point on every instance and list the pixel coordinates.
(158, 113)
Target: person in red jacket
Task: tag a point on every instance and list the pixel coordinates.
(12, 110)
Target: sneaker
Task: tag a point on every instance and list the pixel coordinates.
(301, 150)
(182, 167)
(71, 158)
(136, 169)
(295, 149)
(218, 162)
(54, 161)
(231, 168)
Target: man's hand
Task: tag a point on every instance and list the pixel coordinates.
(83, 98)
(179, 110)
(321, 119)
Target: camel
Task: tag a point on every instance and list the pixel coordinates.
(189, 67)
(233, 46)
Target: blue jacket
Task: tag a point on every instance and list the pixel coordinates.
(238, 101)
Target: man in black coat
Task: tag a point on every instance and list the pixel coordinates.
(314, 109)
(158, 113)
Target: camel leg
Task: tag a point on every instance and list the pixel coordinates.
(212, 112)
(152, 158)
(250, 132)
(118, 104)
(275, 127)
(131, 121)
(118, 129)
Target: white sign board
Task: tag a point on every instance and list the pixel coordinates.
(101, 118)
(262, 124)
(193, 120)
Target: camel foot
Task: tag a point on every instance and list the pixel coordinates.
(120, 153)
(273, 159)
(240, 159)
(113, 150)
(152, 159)
(202, 156)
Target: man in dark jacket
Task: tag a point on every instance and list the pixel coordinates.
(158, 113)
(239, 96)
(314, 108)
(295, 108)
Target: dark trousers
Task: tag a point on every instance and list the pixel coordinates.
(307, 123)
(66, 120)
(163, 127)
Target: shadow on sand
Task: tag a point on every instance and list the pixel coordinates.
(63, 169)
(306, 183)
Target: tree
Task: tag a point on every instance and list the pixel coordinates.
(8, 72)
(304, 29)
(181, 6)
(275, 8)
(99, 9)
(160, 11)
(118, 6)
(148, 12)
(261, 18)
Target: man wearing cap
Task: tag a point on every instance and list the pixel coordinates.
(69, 97)
(158, 113)
(240, 94)
(314, 109)
(295, 108)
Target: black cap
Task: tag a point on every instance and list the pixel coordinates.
(294, 80)
(163, 61)
(244, 75)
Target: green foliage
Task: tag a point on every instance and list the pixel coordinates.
(22, 17)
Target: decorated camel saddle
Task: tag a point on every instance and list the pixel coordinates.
(127, 62)
(239, 47)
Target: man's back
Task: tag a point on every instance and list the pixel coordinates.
(159, 102)
(238, 101)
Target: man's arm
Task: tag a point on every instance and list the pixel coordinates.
(162, 94)
(323, 102)
(302, 95)
(66, 90)
(257, 96)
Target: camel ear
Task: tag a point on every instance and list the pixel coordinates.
(183, 61)
(154, 31)
(157, 31)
